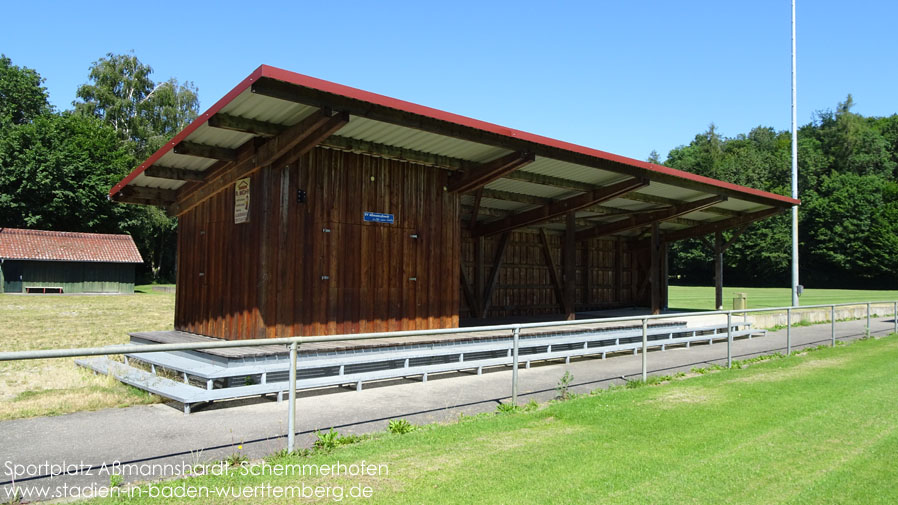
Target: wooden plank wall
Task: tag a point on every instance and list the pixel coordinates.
(608, 274)
(317, 268)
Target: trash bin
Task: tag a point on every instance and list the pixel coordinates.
(740, 301)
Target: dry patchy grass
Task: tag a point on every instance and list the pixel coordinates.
(57, 386)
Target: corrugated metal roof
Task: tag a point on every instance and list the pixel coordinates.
(19, 244)
(529, 189)
(565, 178)
(571, 171)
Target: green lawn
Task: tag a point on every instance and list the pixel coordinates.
(814, 428)
(57, 386)
(702, 297)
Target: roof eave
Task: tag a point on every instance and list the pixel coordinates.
(362, 103)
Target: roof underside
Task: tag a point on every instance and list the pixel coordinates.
(276, 99)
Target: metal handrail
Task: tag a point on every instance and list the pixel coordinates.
(294, 342)
(144, 348)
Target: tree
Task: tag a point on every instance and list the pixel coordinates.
(851, 231)
(55, 171)
(853, 144)
(847, 184)
(143, 113)
(168, 109)
(22, 98)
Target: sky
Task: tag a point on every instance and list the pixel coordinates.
(621, 76)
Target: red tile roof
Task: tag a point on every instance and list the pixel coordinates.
(21, 244)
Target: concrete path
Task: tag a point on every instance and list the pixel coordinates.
(155, 439)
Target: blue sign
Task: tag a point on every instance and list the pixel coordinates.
(377, 217)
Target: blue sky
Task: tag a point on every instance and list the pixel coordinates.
(625, 77)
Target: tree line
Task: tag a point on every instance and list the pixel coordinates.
(56, 167)
(848, 218)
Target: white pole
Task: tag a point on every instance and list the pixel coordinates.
(794, 172)
(291, 413)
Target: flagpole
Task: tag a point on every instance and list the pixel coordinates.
(794, 172)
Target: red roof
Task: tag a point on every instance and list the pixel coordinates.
(373, 99)
(18, 244)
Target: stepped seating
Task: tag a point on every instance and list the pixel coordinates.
(203, 380)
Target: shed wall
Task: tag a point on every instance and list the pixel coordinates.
(318, 267)
(72, 277)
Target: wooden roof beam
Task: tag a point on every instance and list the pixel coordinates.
(315, 138)
(487, 212)
(174, 174)
(508, 196)
(549, 180)
(660, 200)
(722, 225)
(267, 129)
(245, 125)
(560, 207)
(396, 153)
(648, 218)
(284, 148)
(205, 151)
(561, 183)
(144, 195)
(479, 176)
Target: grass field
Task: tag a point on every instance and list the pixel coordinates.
(815, 428)
(51, 387)
(702, 297)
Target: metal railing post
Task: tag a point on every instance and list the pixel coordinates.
(869, 330)
(788, 331)
(645, 346)
(895, 318)
(832, 317)
(291, 413)
(729, 340)
(516, 335)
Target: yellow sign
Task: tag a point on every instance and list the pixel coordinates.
(241, 201)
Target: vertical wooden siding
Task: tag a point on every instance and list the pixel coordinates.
(608, 274)
(318, 268)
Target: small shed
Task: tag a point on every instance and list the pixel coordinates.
(37, 261)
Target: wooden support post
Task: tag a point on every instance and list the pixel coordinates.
(476, 210)
(635, 292)
(553, 272)
(718, 270)
(664, 275)
(655, 270)
(494, 274)
(569, 267)
(619, 270)
(479, 276)
(470, 297)
(587, 274)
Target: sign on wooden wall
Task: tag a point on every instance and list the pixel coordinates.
(241, 201)
(378, 217)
